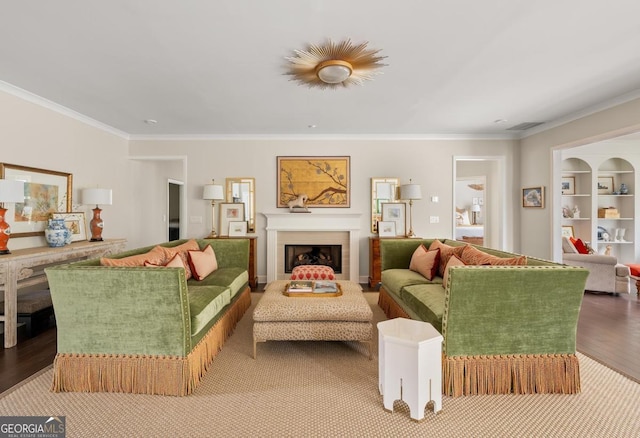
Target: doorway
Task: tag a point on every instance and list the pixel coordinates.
(470, 212)
(174, 209)
(480, 188)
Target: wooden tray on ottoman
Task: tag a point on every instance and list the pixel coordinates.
(312, 294)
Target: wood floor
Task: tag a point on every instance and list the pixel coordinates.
(608, 331)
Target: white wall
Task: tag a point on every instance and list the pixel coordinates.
(34, 136)
(429, 163)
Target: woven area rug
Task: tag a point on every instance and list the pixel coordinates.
(327, 389)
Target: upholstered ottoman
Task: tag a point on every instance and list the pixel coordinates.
(281, 318)
(312, 272)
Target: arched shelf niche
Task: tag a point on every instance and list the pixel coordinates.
(577, 202)
(615, 199)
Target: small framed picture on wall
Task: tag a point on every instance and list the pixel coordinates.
(533, 197)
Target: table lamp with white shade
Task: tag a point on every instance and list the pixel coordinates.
(10, 191)
(410, 192)
(98, 197)
(475, 210)
(213, 192)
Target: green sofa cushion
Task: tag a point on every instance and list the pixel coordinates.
(427, 301)
(235, 279)
(396, 279)
(204, 304)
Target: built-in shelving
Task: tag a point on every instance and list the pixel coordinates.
(618, 172)
(576, 193)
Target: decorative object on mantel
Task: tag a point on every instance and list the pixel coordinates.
(96, 196)
(410, 192)
(298, 205)
(326, 181)
(334, 65)
(213, 192)
(10, 192)
(57, 234)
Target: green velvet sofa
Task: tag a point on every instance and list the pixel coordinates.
(145, 329)
(506, 329)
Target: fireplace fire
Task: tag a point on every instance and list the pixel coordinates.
(323, 255)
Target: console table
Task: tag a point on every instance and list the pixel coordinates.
(25, 267)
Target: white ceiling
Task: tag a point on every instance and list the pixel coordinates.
(216, 68)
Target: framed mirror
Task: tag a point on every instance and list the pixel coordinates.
(383, 190)
(243, 190)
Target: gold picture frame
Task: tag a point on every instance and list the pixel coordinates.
(533, 197)
(75, 222)
(46, 192)
(325, 180)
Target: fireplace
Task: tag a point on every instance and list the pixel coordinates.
(313, 230)
(311, 254)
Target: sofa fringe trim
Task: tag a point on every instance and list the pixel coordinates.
(390, 307)
(142, 374)
(500, 374)
(511, 374)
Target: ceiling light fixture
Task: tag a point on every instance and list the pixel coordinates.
(334, 64)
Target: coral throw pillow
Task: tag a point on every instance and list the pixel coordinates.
(424, 262)
(175, 262)
(446, 252)
(203, 262)
(453, 261)
(156, 256)
(580, 246)
(183, 251)
(474, 256)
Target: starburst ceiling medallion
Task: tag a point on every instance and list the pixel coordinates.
(335, 65)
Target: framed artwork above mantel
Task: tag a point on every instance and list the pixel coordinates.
(325, 180)
(45, 191)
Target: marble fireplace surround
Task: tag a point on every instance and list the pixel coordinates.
(310, 228)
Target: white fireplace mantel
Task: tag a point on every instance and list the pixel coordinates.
(278, 222)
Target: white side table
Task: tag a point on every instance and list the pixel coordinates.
(410, 364)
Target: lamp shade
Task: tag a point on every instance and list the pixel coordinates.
(213, 192)
(11, 191)
(96, 196)
(410, 191)
(475, 207)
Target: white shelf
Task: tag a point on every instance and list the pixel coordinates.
(613, 172)
(615, 219)
(571, 172)
(577, 195)
(614, 196)
(614, 242)
(576, 218)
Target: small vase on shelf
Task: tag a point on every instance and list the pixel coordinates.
(624, 190)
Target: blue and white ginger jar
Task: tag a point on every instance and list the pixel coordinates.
(57, 233)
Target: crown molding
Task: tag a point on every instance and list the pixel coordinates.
(46, 103)
(302, 137)
(602, 106)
